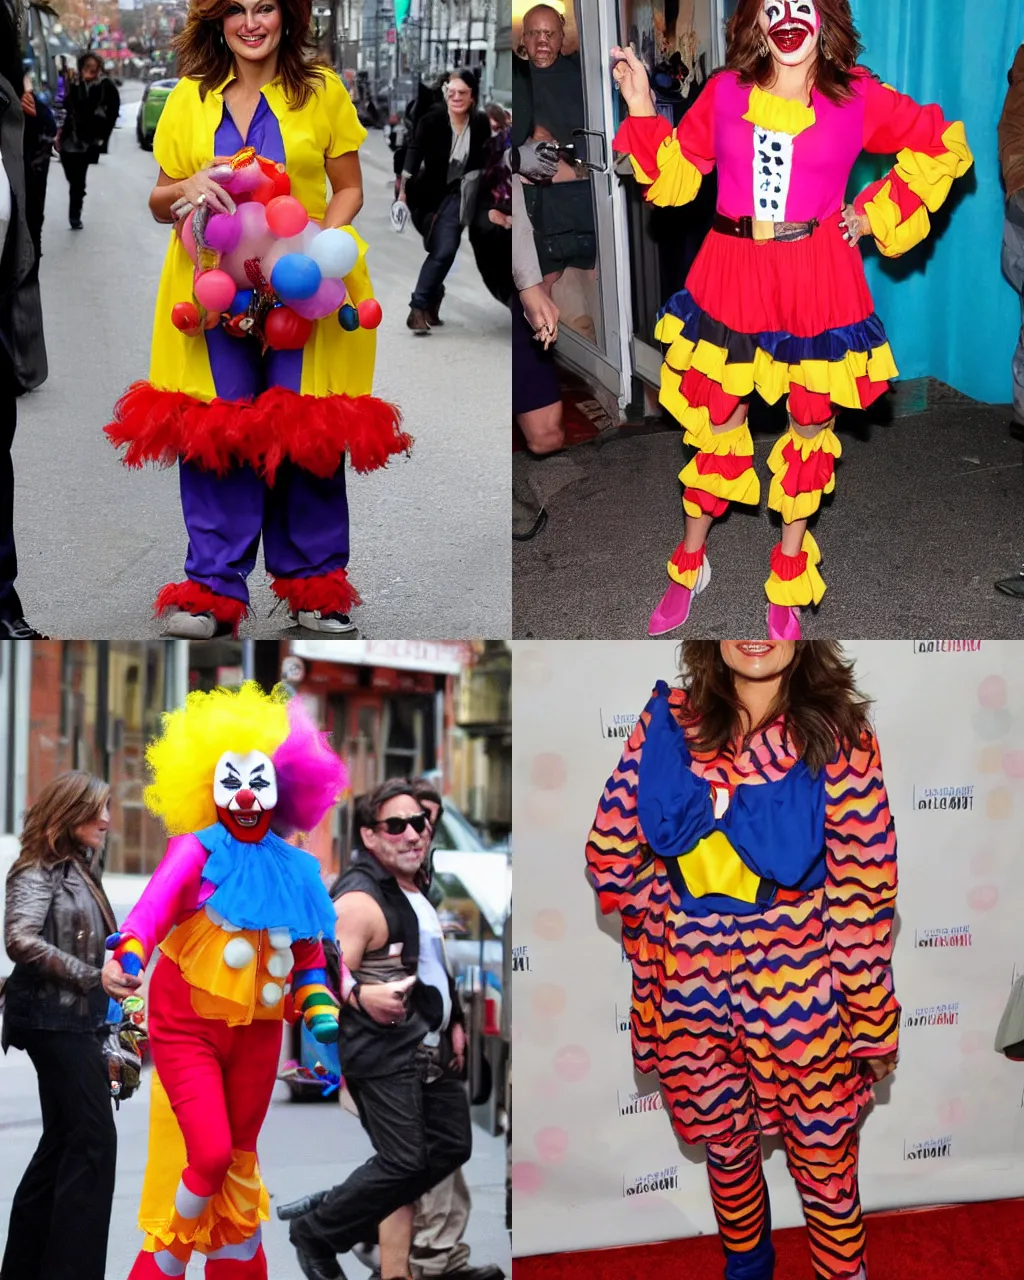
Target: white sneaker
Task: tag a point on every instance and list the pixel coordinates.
(338, 624)
(193, 626)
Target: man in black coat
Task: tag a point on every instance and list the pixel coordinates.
(22, 349)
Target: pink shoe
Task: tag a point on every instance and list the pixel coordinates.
(674, 606)
(783, 622)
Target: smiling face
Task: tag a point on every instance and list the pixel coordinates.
(791, 28)
(245, 792)
(757, 659)
(252, 29)
(460, 96)
(396, 844)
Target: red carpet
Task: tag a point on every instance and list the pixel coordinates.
(963, 1242)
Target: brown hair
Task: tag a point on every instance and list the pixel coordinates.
(820, 705)
(838, 50)
(365, 808)
(422, 790)
(66, 803)
(203, 53)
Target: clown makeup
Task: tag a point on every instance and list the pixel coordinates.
(792, 28)
(245, 792)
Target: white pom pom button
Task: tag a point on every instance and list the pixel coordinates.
(279, 938)
(280, 964)
(271, 994)
(220, 921)
(238, 953)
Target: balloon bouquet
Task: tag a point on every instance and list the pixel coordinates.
(267, 270)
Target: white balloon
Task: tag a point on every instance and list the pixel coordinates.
(335, 252)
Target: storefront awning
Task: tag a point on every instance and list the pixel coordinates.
(445, 656)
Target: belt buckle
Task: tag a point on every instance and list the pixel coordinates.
(763, 230)
(746, 226)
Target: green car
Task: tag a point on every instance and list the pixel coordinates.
(152, 105)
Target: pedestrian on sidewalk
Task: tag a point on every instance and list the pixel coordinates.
(536, 395)
(22, 349)
(56, 922)
(440, 184)
(490, 231)
(86, 128)
(402, 1055)
(40, 135)
(441, 1215)
(260, 432)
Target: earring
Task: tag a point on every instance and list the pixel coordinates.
(762, 47)
(826, 51)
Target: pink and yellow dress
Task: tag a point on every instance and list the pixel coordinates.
(784, 311)
(260, 438)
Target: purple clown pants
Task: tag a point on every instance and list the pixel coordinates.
(303, 519)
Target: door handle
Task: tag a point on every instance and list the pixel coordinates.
(597, 167)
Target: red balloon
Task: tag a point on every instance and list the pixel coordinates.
(370, 314)
(282, 183)
(185, 316)
(286, 217)
(285, 329)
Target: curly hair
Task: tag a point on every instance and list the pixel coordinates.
(310, 777)
(818, 700)
(839, 49)
(203, 54)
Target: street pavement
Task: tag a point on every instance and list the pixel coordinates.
(303, 1147)
(430, 547)
(927, 514)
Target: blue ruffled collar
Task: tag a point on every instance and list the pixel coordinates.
(267, 885)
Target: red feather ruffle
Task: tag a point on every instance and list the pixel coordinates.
(194, 597)
(329, 592)
(314, 432)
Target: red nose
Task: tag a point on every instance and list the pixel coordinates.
(246, 798)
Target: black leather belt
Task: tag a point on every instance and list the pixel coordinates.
(752, 229)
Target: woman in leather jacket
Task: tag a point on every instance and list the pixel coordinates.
(746, 841)
(56, 922)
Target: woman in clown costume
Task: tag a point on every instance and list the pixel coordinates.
(238, 915)
(257, 404)
(777, 300)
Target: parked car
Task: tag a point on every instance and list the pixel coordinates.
(473, 903)
(153, 98)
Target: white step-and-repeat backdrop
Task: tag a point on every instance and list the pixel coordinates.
(595, 1162)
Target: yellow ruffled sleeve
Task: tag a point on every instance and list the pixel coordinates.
(176, 129)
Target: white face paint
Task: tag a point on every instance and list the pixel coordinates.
(252, 772)
(791, 28)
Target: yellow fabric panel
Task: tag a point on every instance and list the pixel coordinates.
(892, 236)
(714, 866)
(736, 442)
(778, 114)
(675, 402)
(826, 441)
(232, 1216)
(678, 180)
(930, 177)
(641, 175)
(803, 505)
(689, 509)
(745, 488)
(335, 362)
(808, 589)
(685, 577)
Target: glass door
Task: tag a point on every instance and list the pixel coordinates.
(567, 100)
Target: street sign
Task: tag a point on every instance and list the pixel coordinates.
(392, 35)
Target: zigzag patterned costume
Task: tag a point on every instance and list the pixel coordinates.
(776, 300)
(760, 943)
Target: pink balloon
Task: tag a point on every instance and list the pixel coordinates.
(286, 217)
(188, 239)
(214, 290)
(293, 244)
(223, 232)
(327, 299)
(254, 242)
(247, 179)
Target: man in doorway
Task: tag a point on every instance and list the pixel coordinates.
(397, 1052)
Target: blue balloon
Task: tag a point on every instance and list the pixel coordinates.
(348, 317)
(241, 303)
(295, 277)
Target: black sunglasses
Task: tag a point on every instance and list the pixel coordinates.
(396, 826)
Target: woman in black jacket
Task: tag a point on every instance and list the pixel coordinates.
(91, 103)
(439, 184)
(56, 922)
(22, 350)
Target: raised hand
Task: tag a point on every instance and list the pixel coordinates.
(630, 74)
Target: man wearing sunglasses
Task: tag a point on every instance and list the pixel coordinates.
(396, 1048)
